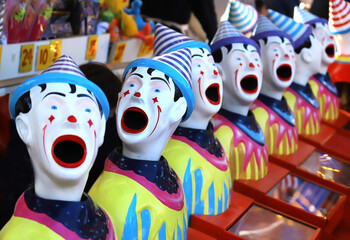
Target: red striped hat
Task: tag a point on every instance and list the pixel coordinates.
(339, 16)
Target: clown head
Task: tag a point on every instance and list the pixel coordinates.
(278, 58)
(206, 80)
(308, 49)
(239, 62)
(61, 117)
(155, 97)
(321, 31)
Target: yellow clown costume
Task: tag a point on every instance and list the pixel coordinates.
(144, 198)
(244, 144)
(201, 164)
(278, 124)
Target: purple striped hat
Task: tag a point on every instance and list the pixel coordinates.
(243, 16)
(63, 70)
(298, 31)
(167, 40)
(228, 34)
(177, 65)
(303, 16)
(265, 28)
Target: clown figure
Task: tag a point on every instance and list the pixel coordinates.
(193, 151)
(61, 117)
(137, 187)
(271, 109)
(321, 83)
(238, 60)
(299, 95)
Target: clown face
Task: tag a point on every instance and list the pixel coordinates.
(279, 62)
(315, 53)
(326, 39)
(242, 72)
(63, 130)
(146, 106)
(206, 82)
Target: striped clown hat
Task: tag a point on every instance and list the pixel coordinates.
(63, 70)
(167, 40)
(228, 34)
(303, 16)
(265, 28)
(339, 16)
(177, 65)
(298, 31)
(243, 16)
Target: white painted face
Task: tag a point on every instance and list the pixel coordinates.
(279, 62)
(146, 106)
(206, 82)
(63, 130)
(315, 53)
(242, 69)
(322, 33)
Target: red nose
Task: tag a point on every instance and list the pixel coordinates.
(286, 55)
(137, 94)
(251, 65)
(215, 72)
(72, 119)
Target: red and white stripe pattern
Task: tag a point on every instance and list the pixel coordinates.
(339, 16)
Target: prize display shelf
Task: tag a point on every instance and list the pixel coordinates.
(21, 61)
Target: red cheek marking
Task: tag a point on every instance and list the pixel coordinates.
(126, 93)
(51, 118)
(258, 65)
(155, 100)
(90, 122)
(240, 64)
(202, 73)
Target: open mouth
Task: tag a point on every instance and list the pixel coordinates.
(69, 151)
(213, 94)
(330, 50)
(284, 72)
(134, 120)
(249, 84)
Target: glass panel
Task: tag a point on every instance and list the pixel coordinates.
(306, 195)
(328, 168)
(261, 223)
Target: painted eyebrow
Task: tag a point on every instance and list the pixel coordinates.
(85, 95)
(196, 55)
(56, 93)
(161, 79)
(137, 74)
(240, 50)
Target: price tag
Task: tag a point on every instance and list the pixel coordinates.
(27, 53)
(119, 52)
(91, 48)
(55, 50)
(0, 53)
(43, 60)
(145, 49)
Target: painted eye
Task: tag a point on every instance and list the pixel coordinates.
(88, 110)
(53, 107)
(132, 85)
(275, 50)
(199, 65)
(214, 64)
(239, 59)
(290, 51)
(256, 59)
(157, 90)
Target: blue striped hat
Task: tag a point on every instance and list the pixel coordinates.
(298, 31)
(63, 70)
(228, 34)
(243, 16)
(303, 16)
(168, 40)
(177, 65)
(265, 28)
